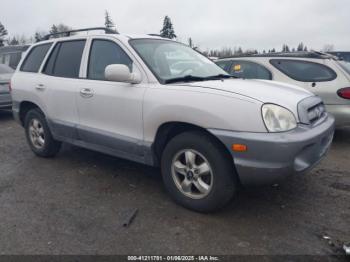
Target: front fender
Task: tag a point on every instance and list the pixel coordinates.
(204, 109)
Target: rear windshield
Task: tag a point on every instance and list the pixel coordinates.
(345, 66)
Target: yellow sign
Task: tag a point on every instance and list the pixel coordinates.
(237, 68)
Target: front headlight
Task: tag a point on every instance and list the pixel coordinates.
(277, 118)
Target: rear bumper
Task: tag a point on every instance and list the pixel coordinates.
(5, 101)
(15, 112)
(273, 156)
(341, 114)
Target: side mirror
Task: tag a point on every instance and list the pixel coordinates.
(121, 73)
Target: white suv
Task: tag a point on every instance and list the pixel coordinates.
(159, 102)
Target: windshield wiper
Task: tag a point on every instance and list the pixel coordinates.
(189, 78)
(219, 76)
(186, 78)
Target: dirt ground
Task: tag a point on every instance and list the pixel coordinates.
(78, 202)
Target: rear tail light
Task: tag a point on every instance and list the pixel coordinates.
(344, 93)
(10, 87)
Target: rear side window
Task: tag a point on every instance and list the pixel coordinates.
(104, 53)
(249, 70)
(304, 71)
(35, 57)
(65, 59)
(223, 64)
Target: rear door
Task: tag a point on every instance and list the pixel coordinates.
(28, 80)
(61, 80)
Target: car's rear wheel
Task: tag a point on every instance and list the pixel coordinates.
(39, 136)
(198, 172)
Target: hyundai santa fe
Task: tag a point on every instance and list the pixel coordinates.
(160, 103)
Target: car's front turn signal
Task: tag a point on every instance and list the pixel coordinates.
(239, 148)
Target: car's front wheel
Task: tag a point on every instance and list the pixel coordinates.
(197, 172)
(39, 136)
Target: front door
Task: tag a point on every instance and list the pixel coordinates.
(110, 113)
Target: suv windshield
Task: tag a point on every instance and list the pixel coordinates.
(345, 66)
(174, 62)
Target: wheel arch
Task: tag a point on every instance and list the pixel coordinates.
(169, 130)
(24, 108)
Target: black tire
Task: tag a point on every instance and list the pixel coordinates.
(51, 147)
(224, 183)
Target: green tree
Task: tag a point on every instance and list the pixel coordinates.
(13, 41)
(3, 33)
(300, 47)
(168, 29)
(109, 22)
(54, 30)
(37, 37)
(60, 28)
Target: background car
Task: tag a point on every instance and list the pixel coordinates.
(6, 73)
(11, 55)
(323, 74)
(342, 55)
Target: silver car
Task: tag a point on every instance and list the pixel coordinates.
(6, 73)
(322, 74)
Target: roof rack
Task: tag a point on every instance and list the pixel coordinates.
(301, 54)
(155, 35)
(68, 33)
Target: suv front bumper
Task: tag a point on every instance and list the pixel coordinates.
(273, 156)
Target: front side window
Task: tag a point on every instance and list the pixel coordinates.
(65, 59)
(249, 70)
(304, 71)
(104, 53)
(170, 60)
(35, 58)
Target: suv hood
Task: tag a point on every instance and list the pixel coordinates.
(261, 90)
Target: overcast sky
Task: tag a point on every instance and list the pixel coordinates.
(259, 24)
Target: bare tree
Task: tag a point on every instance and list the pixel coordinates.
(328, 48)
(190, 42)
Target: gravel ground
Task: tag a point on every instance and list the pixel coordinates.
(78, 202)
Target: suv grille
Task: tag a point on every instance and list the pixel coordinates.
(311, 110)
(316, 112)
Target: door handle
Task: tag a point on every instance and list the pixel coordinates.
(40, 87)
(86, 93)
